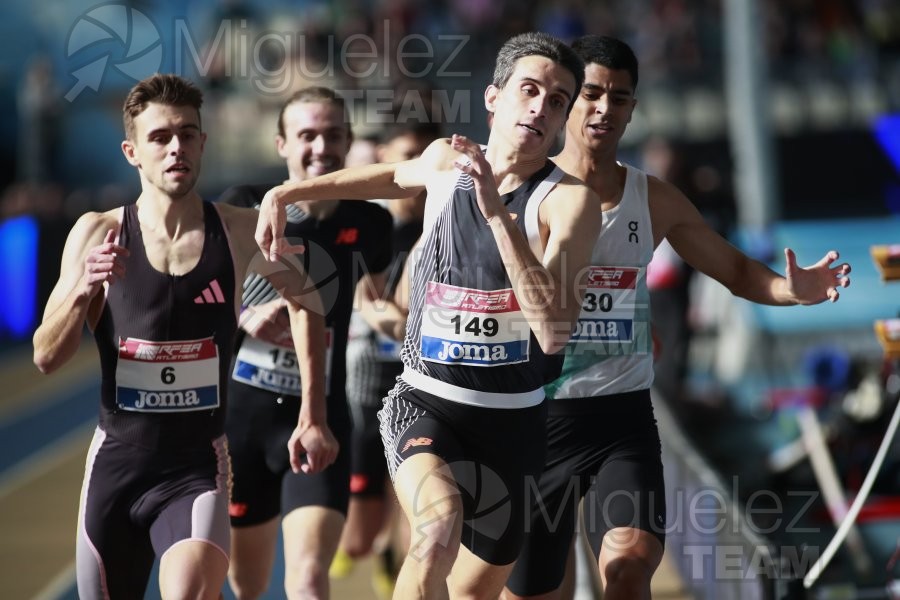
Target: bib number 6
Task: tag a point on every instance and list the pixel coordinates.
(167, 375)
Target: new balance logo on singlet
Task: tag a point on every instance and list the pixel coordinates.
(347, 236)
(211, 295)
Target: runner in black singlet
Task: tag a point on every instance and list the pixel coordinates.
(156, 282)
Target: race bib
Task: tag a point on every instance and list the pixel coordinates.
(174, 376)
(473, 327)
(607, 311)
(274, 367)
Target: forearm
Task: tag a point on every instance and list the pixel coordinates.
(758, 283)
(542, 298)
(356, 183)
(57, 339)
(308, 331)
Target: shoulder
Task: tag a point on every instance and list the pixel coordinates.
(439, 155)
(244, 195)
(92, 226)
(236, 213)
(659, 189)
(437, 159)
(90, 230)
(572, 194)
(663, 196)
(239, 221)
(571, 206)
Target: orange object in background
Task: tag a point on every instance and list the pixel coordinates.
(888, 333)
(887, 259)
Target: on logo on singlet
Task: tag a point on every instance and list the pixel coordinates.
(172, 376)
(607, 311)
(473, 327)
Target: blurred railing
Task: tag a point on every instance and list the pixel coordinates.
(715, 548)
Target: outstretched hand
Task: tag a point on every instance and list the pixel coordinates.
(317, 443)
(270, 228)
(816, 283)
(482, 176)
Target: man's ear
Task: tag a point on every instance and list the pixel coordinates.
(490, 97)
(128, 151)
(279, 146)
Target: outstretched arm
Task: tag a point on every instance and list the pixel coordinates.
(369, 182)
(90, 259)
(549, 292)
(675, 218)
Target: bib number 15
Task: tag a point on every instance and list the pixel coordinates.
(284, 358)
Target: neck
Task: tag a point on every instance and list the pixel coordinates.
(160, 213)
(510, 166)
(599, 170)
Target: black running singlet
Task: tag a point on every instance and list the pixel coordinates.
(165, 343)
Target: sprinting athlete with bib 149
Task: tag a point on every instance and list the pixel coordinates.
(493, 290)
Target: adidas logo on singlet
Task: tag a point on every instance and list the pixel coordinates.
(212, 294)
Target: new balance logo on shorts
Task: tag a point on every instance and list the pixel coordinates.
(212, 294)
(420, 441)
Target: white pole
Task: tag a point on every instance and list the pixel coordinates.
(830, 484)
(850, 519)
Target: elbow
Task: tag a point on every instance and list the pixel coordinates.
(44, 362)
(553, 346)
(556, 333)
(554, 341)
(45, 358)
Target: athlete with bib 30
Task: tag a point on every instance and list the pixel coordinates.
(603, 442)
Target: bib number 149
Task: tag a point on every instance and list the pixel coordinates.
(476, 326)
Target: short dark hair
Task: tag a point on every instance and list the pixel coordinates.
(608, 52)
(314, 93)
(536, 43)
(162, 88)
